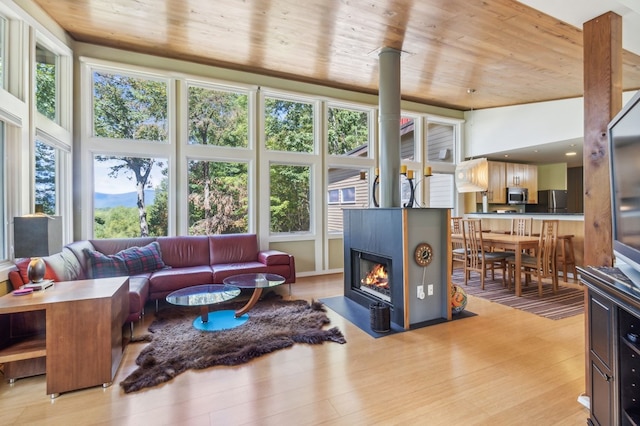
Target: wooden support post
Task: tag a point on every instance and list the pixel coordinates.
(602, 101)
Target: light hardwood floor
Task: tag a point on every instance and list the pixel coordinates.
(501, 367)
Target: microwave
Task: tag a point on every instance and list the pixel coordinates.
(517, 195)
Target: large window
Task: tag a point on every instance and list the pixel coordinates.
(440, 142)
(128, 107)
(130, 196)
(218, 197)
(46, 171)
(347, 188)
(131, 191)
(348, 131)
(195, 156)
(47, 83)
(441, 191)
(290, 198)
(289, 125)
(218, 118)
(407, 138)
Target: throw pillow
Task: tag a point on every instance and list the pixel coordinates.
(23, 266)
(105, 266)
(142, 259)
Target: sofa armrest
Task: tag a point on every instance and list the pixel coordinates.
(274, 257)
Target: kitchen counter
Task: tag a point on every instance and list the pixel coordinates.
(570, 224)
(535, 216)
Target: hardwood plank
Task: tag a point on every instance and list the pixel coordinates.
(501, 363)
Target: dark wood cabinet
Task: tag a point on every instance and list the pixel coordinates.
(601, 329)
(575, 190)
(613, 318)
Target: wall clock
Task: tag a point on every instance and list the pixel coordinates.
(423, 254)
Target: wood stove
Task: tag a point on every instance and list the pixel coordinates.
(379, 268)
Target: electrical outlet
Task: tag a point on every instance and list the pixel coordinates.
(420, 292)
(430, 290)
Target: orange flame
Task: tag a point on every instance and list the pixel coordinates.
(377, 277)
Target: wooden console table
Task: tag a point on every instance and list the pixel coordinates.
(72, 331)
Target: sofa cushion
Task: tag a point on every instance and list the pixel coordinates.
(139, 260)
(185, 251)
(233, 248)
(165, 281)
(131, 261)
(220, 272)
(104, 266)
(77, 248)
(115, 245)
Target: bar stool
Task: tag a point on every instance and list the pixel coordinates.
(566, 257)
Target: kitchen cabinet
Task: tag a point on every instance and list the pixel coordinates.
(503, 175)
(531, 182)
(525, 176)
(496, 192)
(613, 354)
(575, 191)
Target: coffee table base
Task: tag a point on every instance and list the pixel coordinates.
(220, 320)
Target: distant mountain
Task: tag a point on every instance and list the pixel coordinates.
(128, 199)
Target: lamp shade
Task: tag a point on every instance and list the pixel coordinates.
(472, 175)
(37, 235)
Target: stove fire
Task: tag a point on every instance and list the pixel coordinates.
(376, 282)
(378, 277)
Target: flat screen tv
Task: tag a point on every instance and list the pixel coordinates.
(624, 145)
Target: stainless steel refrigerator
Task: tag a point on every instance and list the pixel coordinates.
(549, 201)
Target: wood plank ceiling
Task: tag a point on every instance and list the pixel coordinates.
(508, 52)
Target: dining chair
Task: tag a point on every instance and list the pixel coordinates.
(477, 258)
(521, 226)
(543, 264)
(457, 249)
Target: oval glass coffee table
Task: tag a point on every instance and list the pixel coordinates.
(205, 296)
(257, 282)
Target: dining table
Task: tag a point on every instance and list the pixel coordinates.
(515, 243)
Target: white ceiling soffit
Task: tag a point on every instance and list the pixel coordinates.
(577, 12)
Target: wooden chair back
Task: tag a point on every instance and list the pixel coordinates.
(456, 225)
(521, 226)
(546, 253)
(472, 237)
(477, 258)
(458, 253)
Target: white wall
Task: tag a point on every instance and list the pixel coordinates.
(521, 126)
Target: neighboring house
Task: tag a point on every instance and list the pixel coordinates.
(347, 188)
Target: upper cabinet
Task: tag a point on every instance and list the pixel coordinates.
(531, 182)
(496, 192)
(525, 176)
(503, 175)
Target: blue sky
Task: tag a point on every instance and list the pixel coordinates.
(108, 185)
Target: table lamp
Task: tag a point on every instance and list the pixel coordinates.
(35, 236)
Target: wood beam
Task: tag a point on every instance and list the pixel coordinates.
(602, 38)
(602, 101)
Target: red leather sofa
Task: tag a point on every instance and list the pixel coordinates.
(187, 261)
